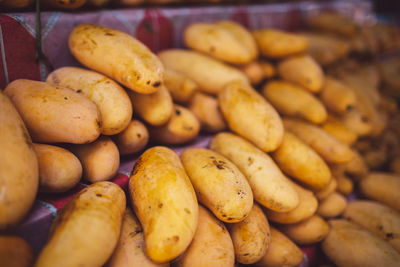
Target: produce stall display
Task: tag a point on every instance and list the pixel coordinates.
(235, 140)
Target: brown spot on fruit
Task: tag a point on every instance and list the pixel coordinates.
(156, 84)
(389, 235)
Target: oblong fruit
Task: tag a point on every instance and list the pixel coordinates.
(269, 185)
(211, 245)
(377, 218)
(55, 114)
(100, 159)
(328, 147)
(117, 55)
(309, 231)
(276, 44)
(302, 163)
(307, 207)
(111, 99)
(210, 74)
(129, 250)
(212, 173)
(251, 236)
(91, 221)
(59, 169)
(156, 108)
(19, 169)
(382, 187)
(302, 70)
(217, 42)
(251, 116)
(281, 252)
(348, 244)
(293, 100)
(165, 202)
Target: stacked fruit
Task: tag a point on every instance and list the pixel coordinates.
(296, 146)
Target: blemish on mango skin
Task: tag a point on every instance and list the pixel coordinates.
(156, 84)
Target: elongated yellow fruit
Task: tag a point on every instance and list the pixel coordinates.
(337, 97)
(281, 252)
(350, 245)
(111, 99)
(332, 206)
(337, 129)
(212, 173)
(377, 218)
(211, 245)
(251, 236)
(100, 159)
(366, 103)
(19, 169)
(301, 162)
(179, 86)
(156, 108)
(269, 185)
(309, 231)
(91, 221)
(59, 169)
(292, 100)
(206, 109)
(276, 44)
(165, 202)
(251, 116)
(302, 70)
(242, 34)
(328, 147)
(218, 42)
(382, 187)
(117, 55)
(129, 251)
(307, 207)
(210, 74)
(182, 127)
(55, 114)
(356, 122)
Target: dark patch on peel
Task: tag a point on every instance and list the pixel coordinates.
(156, 84)
(389, 235)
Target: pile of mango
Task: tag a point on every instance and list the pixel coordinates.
(301, 124)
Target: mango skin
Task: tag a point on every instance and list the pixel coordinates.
(117, 55)
(19, 168)
(55, 114)
(165, 203)
(91, 221)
